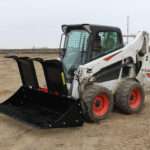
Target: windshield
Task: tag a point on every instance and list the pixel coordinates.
(75, 45)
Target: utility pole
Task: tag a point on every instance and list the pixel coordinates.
(128, 28)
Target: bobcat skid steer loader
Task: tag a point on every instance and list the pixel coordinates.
(94, 73)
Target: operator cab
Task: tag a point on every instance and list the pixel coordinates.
(84, 43)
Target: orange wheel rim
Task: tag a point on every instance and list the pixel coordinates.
(101, 105)
(135, 98)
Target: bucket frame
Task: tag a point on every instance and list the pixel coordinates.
(40, 109)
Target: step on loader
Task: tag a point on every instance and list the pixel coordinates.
(95, 72)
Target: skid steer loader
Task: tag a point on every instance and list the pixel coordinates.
(94, 73)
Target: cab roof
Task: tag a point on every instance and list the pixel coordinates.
(89, 28)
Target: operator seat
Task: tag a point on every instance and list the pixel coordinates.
(97, 47)
(109, 43)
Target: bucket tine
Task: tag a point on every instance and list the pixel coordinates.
(54, 75)
(27, 71)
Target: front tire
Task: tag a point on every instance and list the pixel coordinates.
(98, 103)
(129, 97)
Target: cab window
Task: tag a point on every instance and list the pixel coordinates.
(104, 43)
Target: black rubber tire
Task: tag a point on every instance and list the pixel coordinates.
(123, 94)
(88, 99)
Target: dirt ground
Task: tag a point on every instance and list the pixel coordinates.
(118, 132)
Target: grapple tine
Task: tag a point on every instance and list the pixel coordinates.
(11, 56)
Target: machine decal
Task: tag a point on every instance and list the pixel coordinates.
(111, 56)
(63, 78)
(148, 75)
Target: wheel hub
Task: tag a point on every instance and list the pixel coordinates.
(98, 103)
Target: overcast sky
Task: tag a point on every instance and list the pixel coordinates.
(28, 23)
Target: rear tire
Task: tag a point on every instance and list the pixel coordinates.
(129, 97)
(97, 103)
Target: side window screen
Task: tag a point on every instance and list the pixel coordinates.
(77, 40)
(104, 43)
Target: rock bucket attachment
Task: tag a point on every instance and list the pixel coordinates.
(31, 104)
